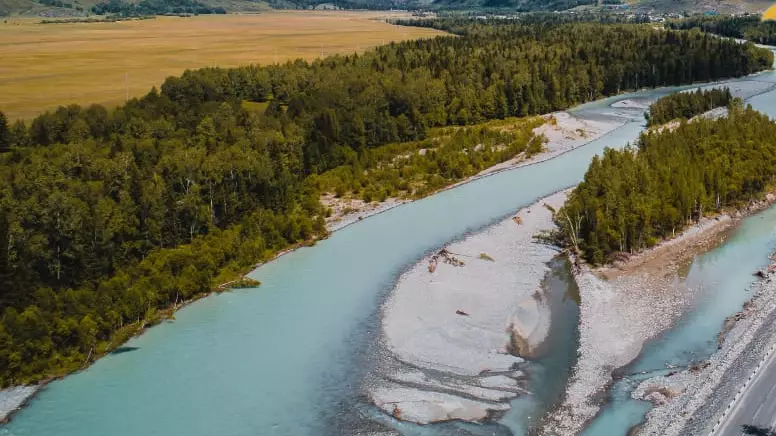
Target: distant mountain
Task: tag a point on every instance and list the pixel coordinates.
(80, 8)
(707, 6)
(513, 5)
(64, 8)
(340, 4)
(21, 7)
(506, 5)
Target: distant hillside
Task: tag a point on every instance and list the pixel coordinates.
(342, 4)
(80, 8)
(694, 6)
(26, 7)
(65, 8)
(513, 5)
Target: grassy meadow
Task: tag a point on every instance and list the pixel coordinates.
(43, 66)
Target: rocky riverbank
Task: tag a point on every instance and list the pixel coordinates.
(634, 300)
(459, 323)
(13, 399)
(690, 401)
(623, 306)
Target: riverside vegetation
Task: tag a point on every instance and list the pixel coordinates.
(632, 198)
(110, 217)
(415, 169)
(686, 105)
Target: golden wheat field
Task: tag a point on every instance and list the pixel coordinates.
(43, 66)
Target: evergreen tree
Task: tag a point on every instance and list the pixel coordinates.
(5, 133)
(631, 199)
(686, 105)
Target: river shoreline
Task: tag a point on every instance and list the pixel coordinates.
(564, 133)
(400, 390)
(13, 398)
(623, 306)
(693, 399)
(542, 157)
(613, 330)
(557, 146)
(427, 382)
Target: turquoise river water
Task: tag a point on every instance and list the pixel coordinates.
(288, 358)
(722, 275)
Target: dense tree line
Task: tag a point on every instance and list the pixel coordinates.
(751, 28)
(465, 24)
(630, 199)
(686, 105)
(109, 216)
(155, 7)
(5, 133)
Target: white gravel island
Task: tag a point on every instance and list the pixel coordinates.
(453, 333)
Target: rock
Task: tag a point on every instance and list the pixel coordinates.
(656, 398)
(425, 407)
(528, 327)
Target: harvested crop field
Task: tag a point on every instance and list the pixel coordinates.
(43, 66)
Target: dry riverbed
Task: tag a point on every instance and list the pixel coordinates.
(453, 334)
(14, 398)
(458, 322)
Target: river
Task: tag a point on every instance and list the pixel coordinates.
(287, 359)
(723, 276)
